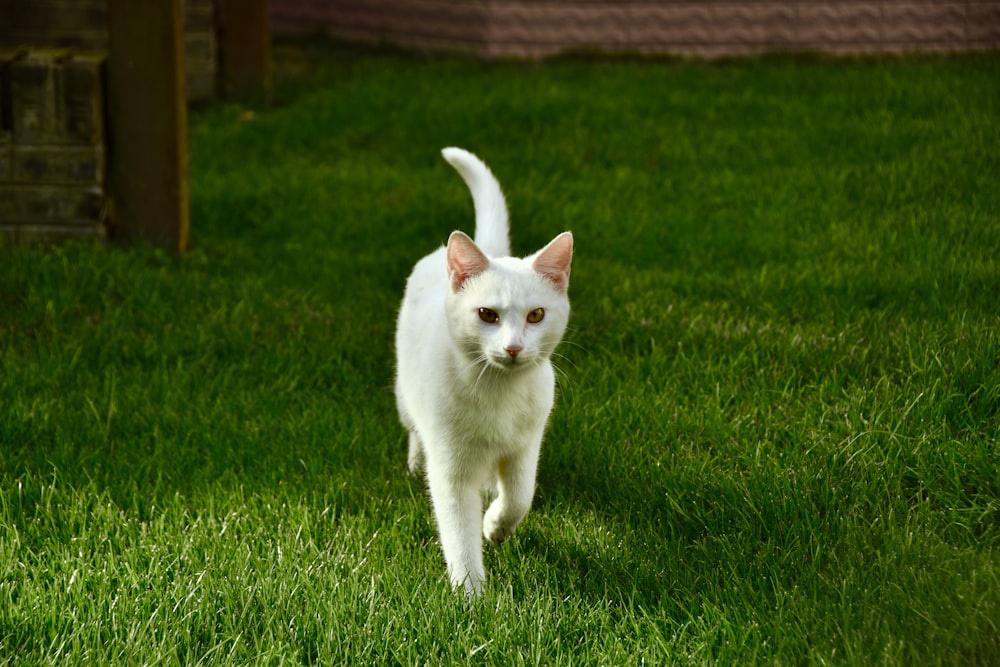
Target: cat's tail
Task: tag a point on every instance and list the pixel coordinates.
(492, 227)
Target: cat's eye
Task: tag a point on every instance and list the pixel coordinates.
(488, 316)
(535, 316)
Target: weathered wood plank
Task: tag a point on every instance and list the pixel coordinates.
(246, 50)
(147, 148)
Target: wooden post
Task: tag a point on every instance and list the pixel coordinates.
(147, 142)
(246, 50)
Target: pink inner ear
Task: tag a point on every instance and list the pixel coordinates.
(554, 259)
(465, 260)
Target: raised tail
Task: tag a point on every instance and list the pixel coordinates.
(492, 227)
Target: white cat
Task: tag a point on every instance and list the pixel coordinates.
(474, 383)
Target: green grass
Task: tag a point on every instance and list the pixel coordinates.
(776, 439)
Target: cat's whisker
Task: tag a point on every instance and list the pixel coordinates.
(564, 378)
(571, 343)
(484, 364)
(563, 357)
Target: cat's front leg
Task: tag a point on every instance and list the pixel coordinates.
(458, 511)
(516, 488)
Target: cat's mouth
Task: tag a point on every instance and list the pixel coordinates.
(508, 362)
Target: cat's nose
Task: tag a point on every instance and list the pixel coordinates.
(514, 350)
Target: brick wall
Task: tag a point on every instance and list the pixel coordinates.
(711, 28)
(52, 156)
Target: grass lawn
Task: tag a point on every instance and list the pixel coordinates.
(776, 437)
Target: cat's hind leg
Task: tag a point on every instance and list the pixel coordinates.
(415, 458)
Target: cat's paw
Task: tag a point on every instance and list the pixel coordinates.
(469, 581)
(495, 529)
(473, 587)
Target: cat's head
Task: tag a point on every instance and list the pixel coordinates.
(508, 312)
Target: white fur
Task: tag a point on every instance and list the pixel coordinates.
(476, 396)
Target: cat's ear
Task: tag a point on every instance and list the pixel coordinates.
(553, 260)
(465, 260)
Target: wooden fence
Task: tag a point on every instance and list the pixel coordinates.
(82, 26)
(93, 136)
